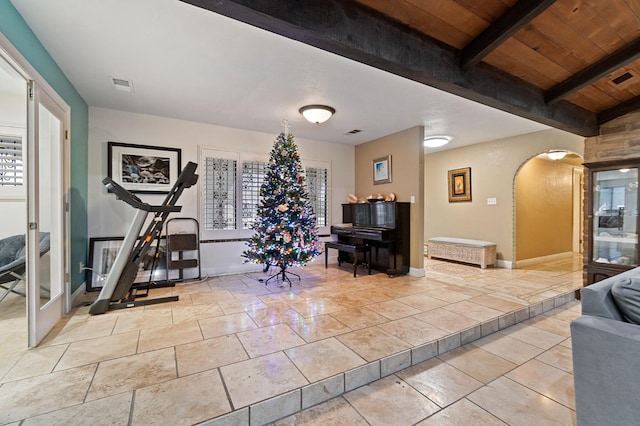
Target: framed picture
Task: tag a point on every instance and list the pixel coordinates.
(382, 170)
(103, 252)
(460, 184)
(144, 169)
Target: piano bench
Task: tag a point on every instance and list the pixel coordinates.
(348, 248)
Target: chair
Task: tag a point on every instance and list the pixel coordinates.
(13, 261)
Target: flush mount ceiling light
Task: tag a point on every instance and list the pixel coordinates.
(436, 141)
(556, 155)
(317, 113)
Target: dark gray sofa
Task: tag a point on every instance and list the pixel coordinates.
(606, 359)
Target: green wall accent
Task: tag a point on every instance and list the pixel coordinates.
(14, 28)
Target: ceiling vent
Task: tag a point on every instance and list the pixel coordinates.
(353, 132)
(122, 85)
(623, 79)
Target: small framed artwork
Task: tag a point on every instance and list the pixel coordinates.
(103, 252)
(460, 184)
(382, 170)
(142, 168)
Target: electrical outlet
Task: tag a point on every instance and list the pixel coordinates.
(81, 267)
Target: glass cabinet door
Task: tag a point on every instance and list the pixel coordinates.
(615, 216)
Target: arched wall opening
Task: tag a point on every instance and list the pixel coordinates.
(547, 209)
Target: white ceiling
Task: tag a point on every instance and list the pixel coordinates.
(191, 64)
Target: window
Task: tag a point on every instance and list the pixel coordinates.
(318, 190)
(11, 169)
(231, 192)
(253, 175)
(219, 212)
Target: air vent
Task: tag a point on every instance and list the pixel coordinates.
(122, 85)
(622, 78)
(353, 132)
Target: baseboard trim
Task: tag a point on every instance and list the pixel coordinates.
(548, 258)
(76, 296)
(416, 272)
(507, 264)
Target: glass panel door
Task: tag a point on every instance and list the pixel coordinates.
(46, 260)
(615, 216)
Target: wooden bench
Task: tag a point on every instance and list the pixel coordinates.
(348, 248)
(478, 252)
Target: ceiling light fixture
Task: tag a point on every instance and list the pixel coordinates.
(436, 141)
(317, 113)
(557, 154)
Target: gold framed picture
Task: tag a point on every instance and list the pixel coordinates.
(459, 182)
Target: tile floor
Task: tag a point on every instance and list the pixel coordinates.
(461, 345)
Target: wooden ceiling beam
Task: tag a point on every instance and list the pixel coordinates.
(354, 31)
(594, 72)
(523, 12)
(619, 110)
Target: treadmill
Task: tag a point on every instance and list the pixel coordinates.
(119, 291)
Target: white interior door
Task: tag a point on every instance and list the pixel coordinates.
(46, 284)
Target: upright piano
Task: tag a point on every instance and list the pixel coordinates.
(383, 225)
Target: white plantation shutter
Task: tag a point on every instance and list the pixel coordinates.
(253, 176)
(317, 179)
(11, 167)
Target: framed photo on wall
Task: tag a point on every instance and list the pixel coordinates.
(142, 168)
(459, 183)
(382, 170)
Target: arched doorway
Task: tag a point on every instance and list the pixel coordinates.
(548, 198)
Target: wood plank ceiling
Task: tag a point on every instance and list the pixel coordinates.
(571, 64)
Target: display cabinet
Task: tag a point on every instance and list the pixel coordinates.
(612, 219)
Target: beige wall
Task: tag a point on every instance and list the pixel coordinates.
(406, 153)
(544, 209)
(493, 169)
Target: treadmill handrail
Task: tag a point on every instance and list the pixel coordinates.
(135, 202)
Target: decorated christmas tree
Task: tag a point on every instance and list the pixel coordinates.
(285, 227)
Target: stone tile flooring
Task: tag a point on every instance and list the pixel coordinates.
(461, 345)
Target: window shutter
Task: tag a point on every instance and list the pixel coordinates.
(219, 194)
(318, 191)
(11, 168)
(253, 175)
